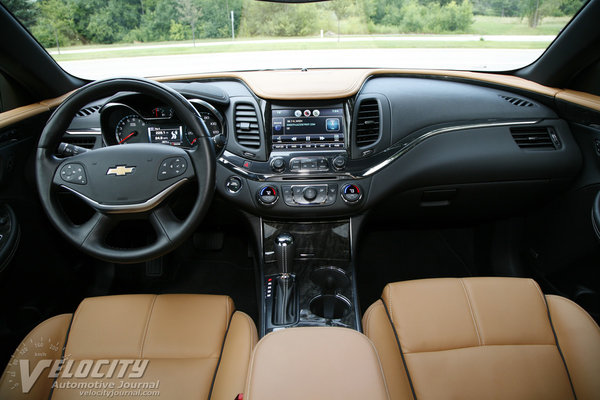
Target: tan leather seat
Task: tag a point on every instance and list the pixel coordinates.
(196, 347)
(483, 338)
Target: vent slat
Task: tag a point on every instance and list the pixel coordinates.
(535, 138)
(517, 101)
(247, 132)
(367, 123)
(84, 112)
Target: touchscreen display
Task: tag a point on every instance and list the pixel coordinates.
(308, 128)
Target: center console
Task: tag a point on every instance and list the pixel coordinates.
(307, 275)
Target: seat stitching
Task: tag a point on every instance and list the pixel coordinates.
(558, 347)
(145, 334)
(412, 389)
(62, 355)
(485, 345)
(472, 311)
(212, 385)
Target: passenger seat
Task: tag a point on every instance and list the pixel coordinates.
(483, 338)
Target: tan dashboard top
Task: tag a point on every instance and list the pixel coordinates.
(320, 84)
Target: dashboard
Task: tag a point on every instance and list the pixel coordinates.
(403, 147)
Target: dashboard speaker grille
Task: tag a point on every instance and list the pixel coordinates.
(84, 112)
(535, 138)
(515, 101)
(247, 132)
(367, 123)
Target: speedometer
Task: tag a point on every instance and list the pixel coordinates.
(131, 129)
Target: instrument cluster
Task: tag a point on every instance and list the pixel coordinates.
(138, 119)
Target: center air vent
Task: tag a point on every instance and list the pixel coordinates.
(247, 133)
(367, 123)
(84, 112)
(534, 138)
(515, 101)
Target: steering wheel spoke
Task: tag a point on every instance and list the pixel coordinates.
(164, 222)
(96, 229)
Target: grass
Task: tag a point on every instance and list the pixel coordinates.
(482, 25)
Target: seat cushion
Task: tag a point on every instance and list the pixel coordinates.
(184, 346)
(477, 338)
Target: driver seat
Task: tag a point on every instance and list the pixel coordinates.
(192, 346)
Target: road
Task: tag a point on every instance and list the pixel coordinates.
(334, 39)
(468, 59)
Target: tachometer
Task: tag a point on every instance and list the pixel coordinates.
(131, 129)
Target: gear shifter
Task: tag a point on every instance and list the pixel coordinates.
(284, 252)
(285, 302)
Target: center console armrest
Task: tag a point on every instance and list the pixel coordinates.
(315, 362)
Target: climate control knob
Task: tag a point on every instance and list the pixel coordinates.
(339, 163)
(278, 164)
(267, 195)
(309, 193)
(351, 194)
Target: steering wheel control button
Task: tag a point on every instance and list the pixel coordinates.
(73, 173)
(267, 195)
(233, 184)
(278, 164)
(351, 194)
(171, 167)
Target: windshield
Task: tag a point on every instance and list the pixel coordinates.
(102, 38)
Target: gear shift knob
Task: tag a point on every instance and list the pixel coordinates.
(285, 250)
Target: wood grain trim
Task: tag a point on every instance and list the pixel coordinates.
(580, 98)
(19, 114)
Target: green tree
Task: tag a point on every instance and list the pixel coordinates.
(535, 10)
(190, 13)
(24, 10)
(56, 21)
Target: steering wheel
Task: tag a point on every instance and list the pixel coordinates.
(127, 181)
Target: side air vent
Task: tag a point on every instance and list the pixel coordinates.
(367, 123)
(84, 112)
(535, 138)
(81, 141)
(247, 133)
(515, 101)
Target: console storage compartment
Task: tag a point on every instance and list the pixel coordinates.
(315, 363)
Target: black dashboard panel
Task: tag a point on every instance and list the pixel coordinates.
(406, 148)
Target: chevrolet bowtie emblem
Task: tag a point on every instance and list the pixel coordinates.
(120, 170)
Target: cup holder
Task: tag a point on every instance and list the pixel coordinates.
(330, 306)
(329, 278)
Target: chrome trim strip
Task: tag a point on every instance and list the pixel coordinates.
(93, 131)
(404, 148)
(129, 208)
(412, 144)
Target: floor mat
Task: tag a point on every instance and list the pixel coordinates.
(398, 255)
(192, 269)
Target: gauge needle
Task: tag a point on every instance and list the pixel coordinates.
(127, 137)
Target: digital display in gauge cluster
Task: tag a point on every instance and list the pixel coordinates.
(308, 128)
(164, 135)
